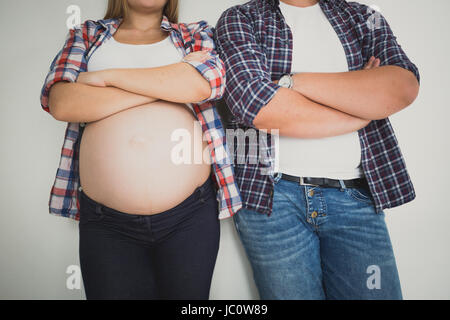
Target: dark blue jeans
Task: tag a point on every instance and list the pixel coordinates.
(320, 243)
(170, 255)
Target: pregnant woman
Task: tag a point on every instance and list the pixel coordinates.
(130, 86)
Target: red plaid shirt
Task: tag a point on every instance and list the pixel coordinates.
(73, 58)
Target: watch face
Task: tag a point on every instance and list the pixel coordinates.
(285, 82)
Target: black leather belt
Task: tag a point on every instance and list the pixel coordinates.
(326, 183)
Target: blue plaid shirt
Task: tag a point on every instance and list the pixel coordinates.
(256, 44)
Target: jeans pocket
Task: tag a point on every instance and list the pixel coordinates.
(239, 221)
(89, 211)
(236, 227)
(360, 194)
(236, 222)
(88, 215)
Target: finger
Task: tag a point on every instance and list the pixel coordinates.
(369, 63)
(377, 63)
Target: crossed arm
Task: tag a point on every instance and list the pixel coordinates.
(353, 100)
(97, 95)
(371, 94)
(320, 104)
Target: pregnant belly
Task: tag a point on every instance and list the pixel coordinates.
(144, 160)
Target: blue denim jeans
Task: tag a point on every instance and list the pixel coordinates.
(320, 243)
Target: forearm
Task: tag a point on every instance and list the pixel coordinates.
(296, 116)
(178, 82)
(369, 94)
(77, 102)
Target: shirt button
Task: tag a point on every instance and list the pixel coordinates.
(82, 124)
(314, 214)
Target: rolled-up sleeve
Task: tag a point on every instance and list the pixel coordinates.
(249, 85)
(382, 42)
(67, 64)
(213, 69)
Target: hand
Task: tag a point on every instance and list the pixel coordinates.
(95, 78)
(198, 56)
(372, 63)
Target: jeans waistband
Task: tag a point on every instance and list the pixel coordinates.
(199, 193)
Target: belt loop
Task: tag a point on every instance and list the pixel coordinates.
(343, 187)
(277, 177)
(98, 208)
(202, 191)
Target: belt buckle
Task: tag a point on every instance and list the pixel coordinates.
(302, 183)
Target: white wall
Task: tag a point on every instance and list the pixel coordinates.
(36, 248)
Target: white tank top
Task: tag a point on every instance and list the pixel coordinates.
(317, 48)
(113, 54)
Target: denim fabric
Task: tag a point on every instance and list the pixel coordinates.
(170, 255)
(320, 243)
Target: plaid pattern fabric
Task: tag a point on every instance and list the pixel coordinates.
(256, 44)
(79, 46)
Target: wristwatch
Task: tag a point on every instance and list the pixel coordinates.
(286, 81)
